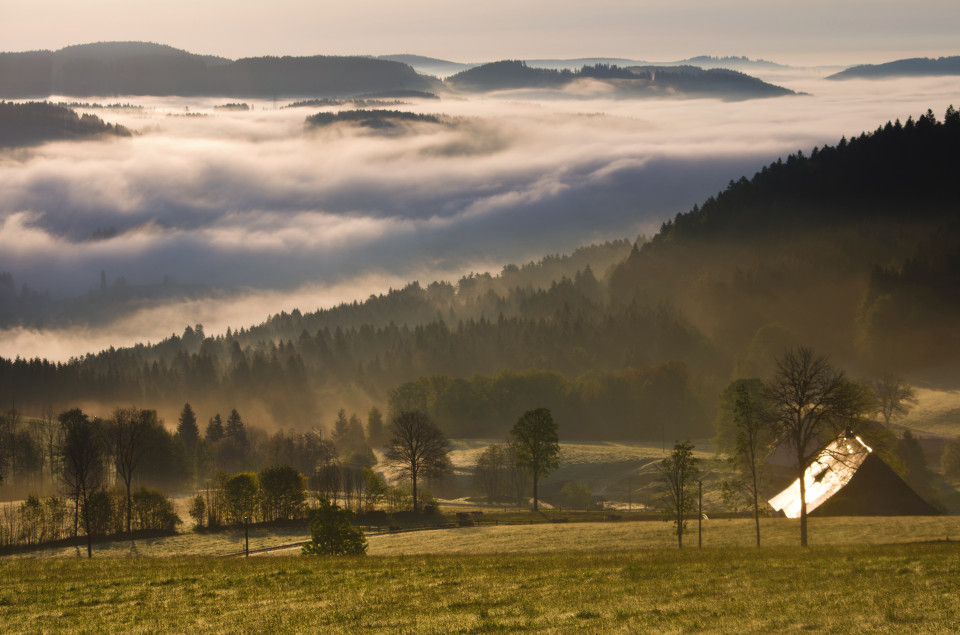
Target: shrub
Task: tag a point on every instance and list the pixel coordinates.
(332, 534)
(576, 495)
(283, 495)
(153, 511)
(241, 494)
(198, 510)
(99, 512)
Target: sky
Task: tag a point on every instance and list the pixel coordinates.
(802, 33)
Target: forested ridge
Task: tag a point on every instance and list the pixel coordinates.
(913, 67)
(637, 81)
(848, 249)
(35, 122)
(140, 68)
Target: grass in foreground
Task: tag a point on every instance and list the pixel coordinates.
(898, 588)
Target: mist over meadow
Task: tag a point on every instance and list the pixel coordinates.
(269, 217)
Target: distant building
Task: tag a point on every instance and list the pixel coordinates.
(849, 479)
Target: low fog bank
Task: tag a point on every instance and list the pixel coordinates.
(273, 219)
(217, 313)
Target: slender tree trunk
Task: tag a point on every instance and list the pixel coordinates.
(413, 477)
(679, 528)
(803, 510)
(536, 506)
(86, 524)
(756, 502)
(129, 506)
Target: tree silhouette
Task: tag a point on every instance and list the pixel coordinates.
(536, 446)
(127, 435)
(418, 448)
(679, 471)
(83, 471)
(813, 402)
(187, 428)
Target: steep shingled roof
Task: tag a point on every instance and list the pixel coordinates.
(848, 479)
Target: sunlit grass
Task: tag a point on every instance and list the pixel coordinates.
(722, 533)
(827, 589)
(936, 412)
(579, 537)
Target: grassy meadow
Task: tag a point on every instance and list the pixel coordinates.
(936, 412)
(580, 576)
(902, 588)
(581, 535)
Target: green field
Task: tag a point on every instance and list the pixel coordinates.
(894, 588)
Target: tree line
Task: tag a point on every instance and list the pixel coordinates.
(633, 403)
(289, 381)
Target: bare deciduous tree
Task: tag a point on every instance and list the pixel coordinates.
(894, 397)
(127, 436)
(813, 403)
(418, 448)
(82, 464)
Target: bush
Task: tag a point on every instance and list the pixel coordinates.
(241, 494)
(98, 513)
(576, 495)
(282, 492)
(198, 510)
(153, 511)
(332, 534)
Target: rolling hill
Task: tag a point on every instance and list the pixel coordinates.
(138, 68)
(913, 67)
(633, 81)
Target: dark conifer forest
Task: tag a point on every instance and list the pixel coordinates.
(32, 123)
(141, 68)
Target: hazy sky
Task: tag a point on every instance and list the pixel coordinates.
(810, 32)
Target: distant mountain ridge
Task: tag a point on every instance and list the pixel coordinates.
(138, 68)
(429, 65)
(443, 68)
(913, 67)
(145, 68)
(633, 81)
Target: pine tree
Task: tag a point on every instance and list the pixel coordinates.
(187, 428)
(215, 429)
(235, 428)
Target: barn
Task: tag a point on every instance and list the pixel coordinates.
(849, 479)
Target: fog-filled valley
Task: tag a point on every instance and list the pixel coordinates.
(574, 317)
(323, 212)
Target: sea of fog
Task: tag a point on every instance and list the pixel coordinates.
(274, 218)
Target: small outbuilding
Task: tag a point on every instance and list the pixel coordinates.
(849, 479)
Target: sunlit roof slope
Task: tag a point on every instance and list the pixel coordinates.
(848, 479)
